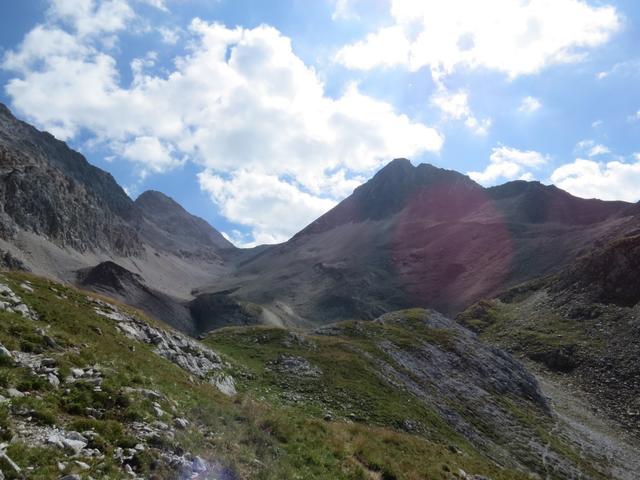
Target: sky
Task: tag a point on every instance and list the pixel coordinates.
(260, 116)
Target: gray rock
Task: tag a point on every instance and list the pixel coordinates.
(13, 393)
(82, 465)
(181, 423)
(296, 366)
(199, 465)
(53, 380)
(76, 436)
(225, 384)
(74, 445)
(158, 411)
(4, 352)
(10, 462)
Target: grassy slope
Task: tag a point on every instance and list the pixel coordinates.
(274, 427)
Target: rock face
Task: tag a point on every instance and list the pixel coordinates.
(59, 214)
(50, 190)
(421, 236)
(187, 353)
(117, 282)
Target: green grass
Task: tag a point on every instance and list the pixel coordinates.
(274, 427)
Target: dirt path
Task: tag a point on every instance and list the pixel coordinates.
(596, 437)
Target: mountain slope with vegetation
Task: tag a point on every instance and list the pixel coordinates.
(96, 389)
(582, 323)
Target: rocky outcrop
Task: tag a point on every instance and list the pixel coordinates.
(52, 191)
(111, 279)
(187, 353)
(582, 323)
(10, 302)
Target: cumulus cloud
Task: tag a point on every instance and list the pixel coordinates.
(507, 163)
(508, 36)
(529, 105)
(152, 154)
(591, 148)
(169, 36)
(238, 102)
(263, 202)
(607, 181)
(91, 17)
(455, 105)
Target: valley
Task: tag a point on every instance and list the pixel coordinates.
(424, 328)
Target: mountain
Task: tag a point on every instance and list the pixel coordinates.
(421, 236)
(90, 388)
(582, 322)
(340, 380)
(61, 217)
(169, 227)
(412, 236)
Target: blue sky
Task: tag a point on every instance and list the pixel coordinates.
(259, 116)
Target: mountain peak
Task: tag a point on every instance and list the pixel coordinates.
(392, 189)
(177, 223)
(153, 200)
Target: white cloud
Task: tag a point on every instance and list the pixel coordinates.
(169, 35)
(344, 10)
(506, 163)
(628, 68)
(252, 106)
(591, 148)
(151, 154)
(159, 4)
(597, 123)
(509, 36)
(91, 17)
(455, 105)
(597, 150)
(388, 47)
(529, 105)
(606, 181)
(635, 117)
(262, 202)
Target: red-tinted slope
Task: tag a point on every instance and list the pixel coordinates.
(423, 236)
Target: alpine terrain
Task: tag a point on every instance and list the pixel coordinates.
(426, 327)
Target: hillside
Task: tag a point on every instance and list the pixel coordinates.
(581, 323)
(90, 388)
(421, 236)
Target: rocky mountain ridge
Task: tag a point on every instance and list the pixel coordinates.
(410, 236)
(60, 216)
(422, 236)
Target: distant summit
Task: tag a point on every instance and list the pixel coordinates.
(421, 236)
(178, 229)
(390, 190)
